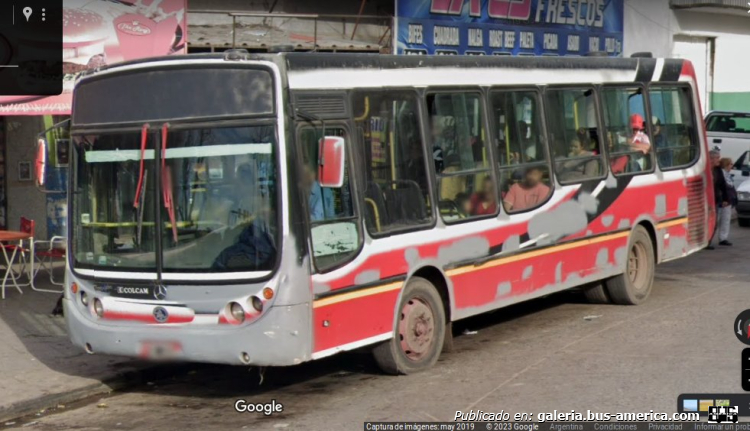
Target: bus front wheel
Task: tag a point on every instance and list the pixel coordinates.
(635, 284)
(418, 333)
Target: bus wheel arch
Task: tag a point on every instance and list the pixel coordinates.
(420, 325)
(634, 285)
(438, 279)
(651, 229)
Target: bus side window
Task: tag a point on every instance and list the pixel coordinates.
(523, 175)
(630, 145)
(673, 126)
(465, 184)
(574, 134)
(396, 186)
(334, 224)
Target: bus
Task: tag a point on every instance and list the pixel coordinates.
(272, 209)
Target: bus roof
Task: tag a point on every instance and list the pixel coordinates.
(307, 68)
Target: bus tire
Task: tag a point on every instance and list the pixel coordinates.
(743, 222)
(597, 294)
(635, 284)
(419, 331)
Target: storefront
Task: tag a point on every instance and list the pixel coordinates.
(509, 27)
(95, 33)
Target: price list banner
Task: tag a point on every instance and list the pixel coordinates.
(509, 27)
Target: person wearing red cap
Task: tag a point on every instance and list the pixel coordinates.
(639, 141)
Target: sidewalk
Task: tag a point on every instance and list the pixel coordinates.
(40, 368)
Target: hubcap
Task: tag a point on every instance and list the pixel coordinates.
(416, 328)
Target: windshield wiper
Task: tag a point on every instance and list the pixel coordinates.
(137, 203)
(139, 213)
(166, 182)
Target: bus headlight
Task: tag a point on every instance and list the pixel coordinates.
(238, 313)
(257, 303)
(98, 308)
(84, 299)
(743, 196)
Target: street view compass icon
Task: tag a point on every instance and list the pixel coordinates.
(742, 327)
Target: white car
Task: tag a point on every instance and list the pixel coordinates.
(729, 132)
(743, 204)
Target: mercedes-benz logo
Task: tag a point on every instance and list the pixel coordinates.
(160, 314)
(160, 292)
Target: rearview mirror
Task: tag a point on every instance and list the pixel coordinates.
(40, 165)
(331, 163)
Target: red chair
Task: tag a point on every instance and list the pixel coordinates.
(44, 252)
(55, 249)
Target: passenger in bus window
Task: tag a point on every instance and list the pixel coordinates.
(663, 153)
(443, 142)
(618, 163)
(463, 203)
(484, 201)
(579, 163)
(639, 140)
(528, 193)
(415, 165)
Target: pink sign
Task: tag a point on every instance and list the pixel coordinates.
(101, 32)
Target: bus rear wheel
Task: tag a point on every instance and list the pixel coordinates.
(635, 284)
(596, 294)
(419, 331)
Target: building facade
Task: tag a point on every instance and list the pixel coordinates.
(713, 34)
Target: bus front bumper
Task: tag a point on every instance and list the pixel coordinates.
(281, 337)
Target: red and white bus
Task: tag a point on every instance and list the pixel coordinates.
(274, 209)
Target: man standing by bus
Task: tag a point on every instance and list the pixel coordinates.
(720, 191)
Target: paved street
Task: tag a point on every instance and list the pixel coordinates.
(536, 357)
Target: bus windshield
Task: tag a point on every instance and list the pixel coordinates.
(208, 194)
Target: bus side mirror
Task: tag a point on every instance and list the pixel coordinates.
(40, 165)
(331, 164)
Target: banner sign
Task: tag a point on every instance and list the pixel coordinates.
(509, 27)
(101, 32)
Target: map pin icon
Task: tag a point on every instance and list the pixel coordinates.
(27, 13)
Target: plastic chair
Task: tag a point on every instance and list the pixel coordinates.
(55, 249)
(43, 256)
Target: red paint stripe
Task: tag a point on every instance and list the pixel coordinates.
(146, 318)
(631, 204)
(353, 320)
(393, 263)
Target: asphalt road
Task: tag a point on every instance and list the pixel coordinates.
(557, 353)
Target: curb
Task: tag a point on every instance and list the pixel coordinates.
(120, 382)
(32, 406)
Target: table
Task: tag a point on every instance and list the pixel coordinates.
(19, 237)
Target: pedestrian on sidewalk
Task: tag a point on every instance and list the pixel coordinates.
(725, 217)
(720, 192)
